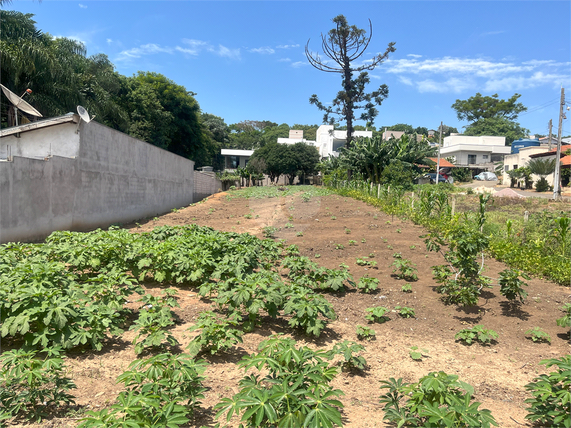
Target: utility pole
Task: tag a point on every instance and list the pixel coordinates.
(557, 173)
(438, 160)
(550, 126)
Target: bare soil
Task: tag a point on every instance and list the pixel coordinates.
(498, 372)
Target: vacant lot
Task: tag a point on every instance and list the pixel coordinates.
(332, 230)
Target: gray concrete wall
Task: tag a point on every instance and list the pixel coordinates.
(114, 179)
(205, 184)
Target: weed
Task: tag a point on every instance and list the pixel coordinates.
(248, 216)
(333, 217)
(399, 230)
(289, 226)
(269, 232)
(352, 242)
(317, 256)
(407, 288)
(538, 335)
(417, 353)
(477, 333)
(299, 234)
(363, 261)
(363, 240)
(347, 231)
(405, 311)
(412, 247)
(339, 246)
(377, 314)
(365, 333)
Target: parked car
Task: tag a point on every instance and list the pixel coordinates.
(486, 176)
(432, 176)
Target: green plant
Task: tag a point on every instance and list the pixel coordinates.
(363, 240)
(217, 333)
(565, 321)
(377, 314)
(389, 247)
(549, 405)
(289, 226)
(436, 400)
(174, 210)
(294, 392)
(371, 255)
(299, 234)
(155, 219)
(399, 230)
(417, 353)
(32, 386)
(367, 285)
(333, 217)
(269, 232)
(365, 333)
(339, 246)
(154, 318)
(538, 335)
(352, 242)
(363, 261)
(317, 255)
(348, 349)
(248, 216)
(407, 288)
(511, 287)
(347, 231)
(163, 390)
(405, 312)
(308, 310)
(405, 269)
(477, 333)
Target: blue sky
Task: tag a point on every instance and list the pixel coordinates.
(246, 61)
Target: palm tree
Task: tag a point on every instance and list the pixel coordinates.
(541, 167)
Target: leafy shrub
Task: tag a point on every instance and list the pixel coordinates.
(306, 307)
(407, 288)
(269, 232)
(348, 348)
(362, 261)
(377, 314)
(405, 312)
(163, 390)
(367, 285)
(511, 287)
(405, 269)
(436, 400)
(294, 393)
(538, 335)
(549, 405)
(217, 333)
(477, 333)
(154, 318)
(565, 321)
(30, 386)
(365, 333)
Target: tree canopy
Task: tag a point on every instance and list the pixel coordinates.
(490, 115)
(344, 45)
(285, 159)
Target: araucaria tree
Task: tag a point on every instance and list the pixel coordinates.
(343, 45)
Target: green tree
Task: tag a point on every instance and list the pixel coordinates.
(306, 157)
(344, 45)
(402, 127)
(490, 115)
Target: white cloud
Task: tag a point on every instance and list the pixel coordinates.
(223, 51)
(264, 50)
(109, 41)
(148, 49)
(451, 74)
(298, 64)
(287, 46)
(284, 60)
(415, 55)
(492, 33)
(82, 6)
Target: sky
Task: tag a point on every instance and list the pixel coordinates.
(245, 60)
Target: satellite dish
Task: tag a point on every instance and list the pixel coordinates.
(83, 114)
(19, 102)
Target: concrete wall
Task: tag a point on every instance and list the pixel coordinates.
(205, 184)
(114, 179)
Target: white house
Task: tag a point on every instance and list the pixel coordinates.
(234, 158)
(329, 141)
(475, 152)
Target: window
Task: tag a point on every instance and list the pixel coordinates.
(232, 162)
(471, 159)
(485, 157)
(506, 168)
(515, 167)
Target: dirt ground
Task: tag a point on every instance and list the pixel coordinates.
(498, 373)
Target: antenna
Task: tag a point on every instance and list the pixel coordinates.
(84, 115)
(19, 103)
